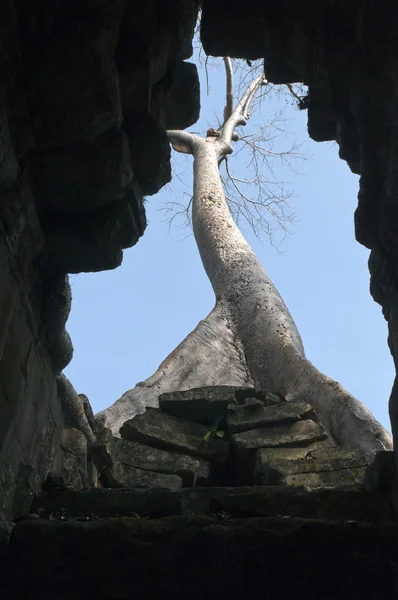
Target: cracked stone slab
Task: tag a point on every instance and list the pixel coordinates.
(192, 470)
(315, 466)
(209, 404)
(301, 433)
(160, 430)
(255, 414)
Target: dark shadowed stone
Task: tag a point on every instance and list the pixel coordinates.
(301, 433)
(93, 175)
(6, 528)
(176, 98)
(156, 502)
(315, 466)
(253, 501)
(193, 471)
(241, 558)
(273, 501)
(380, 474)
(131, 477)
(93, 241)
(72, 84)
(251, 416)
(164, 431)
(150, 152)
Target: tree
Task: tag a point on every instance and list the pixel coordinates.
(249, 338)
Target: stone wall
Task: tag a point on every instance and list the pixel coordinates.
(87, 89)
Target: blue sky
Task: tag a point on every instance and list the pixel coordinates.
(125, 322)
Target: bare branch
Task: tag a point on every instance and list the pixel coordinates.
(182, 141)
(229, 99)
(293, 93)
(240, 114)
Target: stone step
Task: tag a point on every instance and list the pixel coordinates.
(200, 557)
(237, 502)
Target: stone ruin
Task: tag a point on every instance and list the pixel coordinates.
(214, 476)
(248, 496)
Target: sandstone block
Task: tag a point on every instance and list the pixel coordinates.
(207, 405)
(301, 433)
(164, 431)
(252, 416)
(314, 466)
(192, 470)
(201, 405)
(131, 477)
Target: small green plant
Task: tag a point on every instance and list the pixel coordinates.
(212, 433)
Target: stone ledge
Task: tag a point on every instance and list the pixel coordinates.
(173, 557)
(256, 501)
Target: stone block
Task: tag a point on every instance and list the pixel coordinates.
(94, 241)
(150, 152)
(176, 98)
(274, 501)
(131, 477)
(105, 558)
(209, 404)
(158, 429)
(23, 231)
(252, 416)
(72, 85)
(92, 174)
(192, 470)
(111, 503)
(345, 479)
(301, 433)
(200, 405)
(315, 466)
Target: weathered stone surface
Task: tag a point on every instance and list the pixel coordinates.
(273, 501)
(150, 152)
(201, 405)
(101, 558)
(379, 475)
(319, 466)
(192, 470)
(164, 431)
(255, 415)
(181, 81)
(345, 479)
(94, 175)
(209, 404)
(72, 85)
(253, 501)
(129, 477)
(155, 503)
(301, 433)
(73, 467)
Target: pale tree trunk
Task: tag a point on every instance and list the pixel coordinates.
(250, 338)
